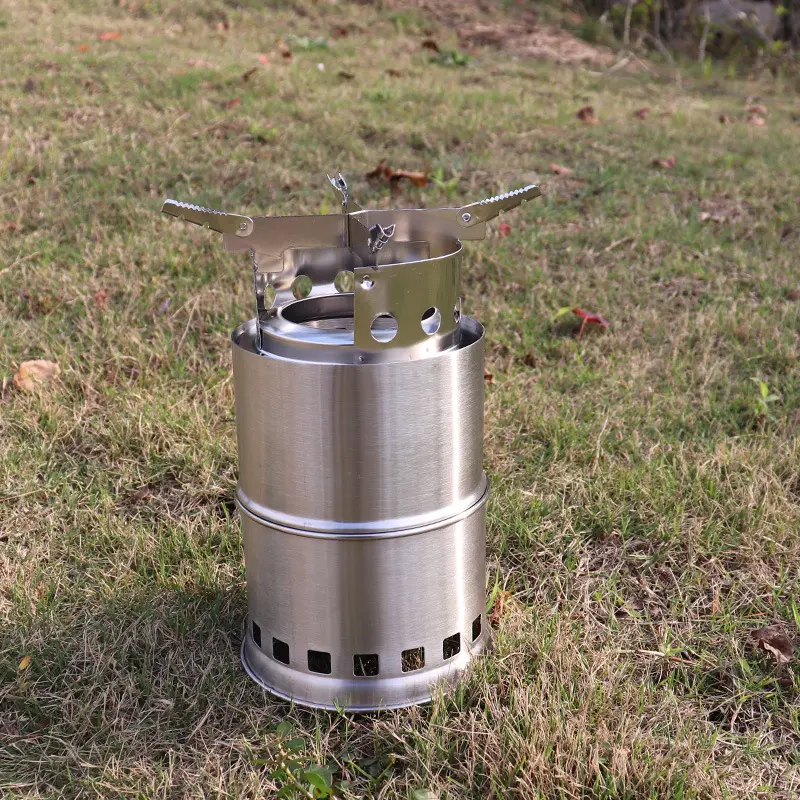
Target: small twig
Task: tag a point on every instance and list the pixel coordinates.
(599, 444)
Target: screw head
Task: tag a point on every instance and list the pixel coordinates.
(466, 216)
(242, 226)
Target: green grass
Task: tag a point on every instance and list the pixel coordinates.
(645, 514)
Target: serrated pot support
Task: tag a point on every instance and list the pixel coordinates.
(359, 419)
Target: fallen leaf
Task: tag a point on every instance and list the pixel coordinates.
(284, 50)
(589, 319)
(197, 62)
(339, 32)
(232, 103)
(83, 48)
(34, 373)
(109, 36)
(263, 59)
(754, 119)
(24, 664)
(393, 176)
(223, 26)
(29, 86)
(557, 169)
(246, 75)
(430, 44)
(11, 226)
(793, 294)
(587, 115)
(488, 376)
(164, 305)
(761, 110)
(395, 73)
(530, 359)
(725, 119)
(347, 76)
(774, 640)
(786, 232)
(642, 113)
(101, 297)
(503, 229)
(666, 163)
(496, 614)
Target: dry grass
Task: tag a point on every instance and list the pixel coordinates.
(646, 511)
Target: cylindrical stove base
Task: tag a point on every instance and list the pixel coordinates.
(367, 621)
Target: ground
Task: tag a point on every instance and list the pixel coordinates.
(645, 514)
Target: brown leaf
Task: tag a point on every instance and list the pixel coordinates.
(666, 163)
(725, 119)
(754, 119)
(232, 103)
(101, 297)
(530, 359)
(430, 44)
(10, 226)
(587, 115)
(488, 376)
(774, 640)
(642, 113)
(393, 176)
(109, 36)
(35, 373)
(793, 294)
(395, 73)
(83, 48)
(499, 607)
(786, 232)
(246, 75)
(347, 76)
(557, 169)
(339, 32)
(760, 110)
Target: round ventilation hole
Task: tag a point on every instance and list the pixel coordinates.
(431, 320)
(301, 287)
(383, 328)
(344, 282)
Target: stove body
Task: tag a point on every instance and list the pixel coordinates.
(359, 417)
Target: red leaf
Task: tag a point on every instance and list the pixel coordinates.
(232, 103)
(109, 36)
(589, 319)
(263, 59)
(666, 163)
(339, 32)
(504, 229)
(642, 113)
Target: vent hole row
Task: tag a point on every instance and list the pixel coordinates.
(368, 665)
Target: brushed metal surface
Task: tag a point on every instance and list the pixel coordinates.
(359, 447)
(378, 594)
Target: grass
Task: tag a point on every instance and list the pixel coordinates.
(645, 515)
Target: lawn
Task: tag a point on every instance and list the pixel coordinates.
(645, 514)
